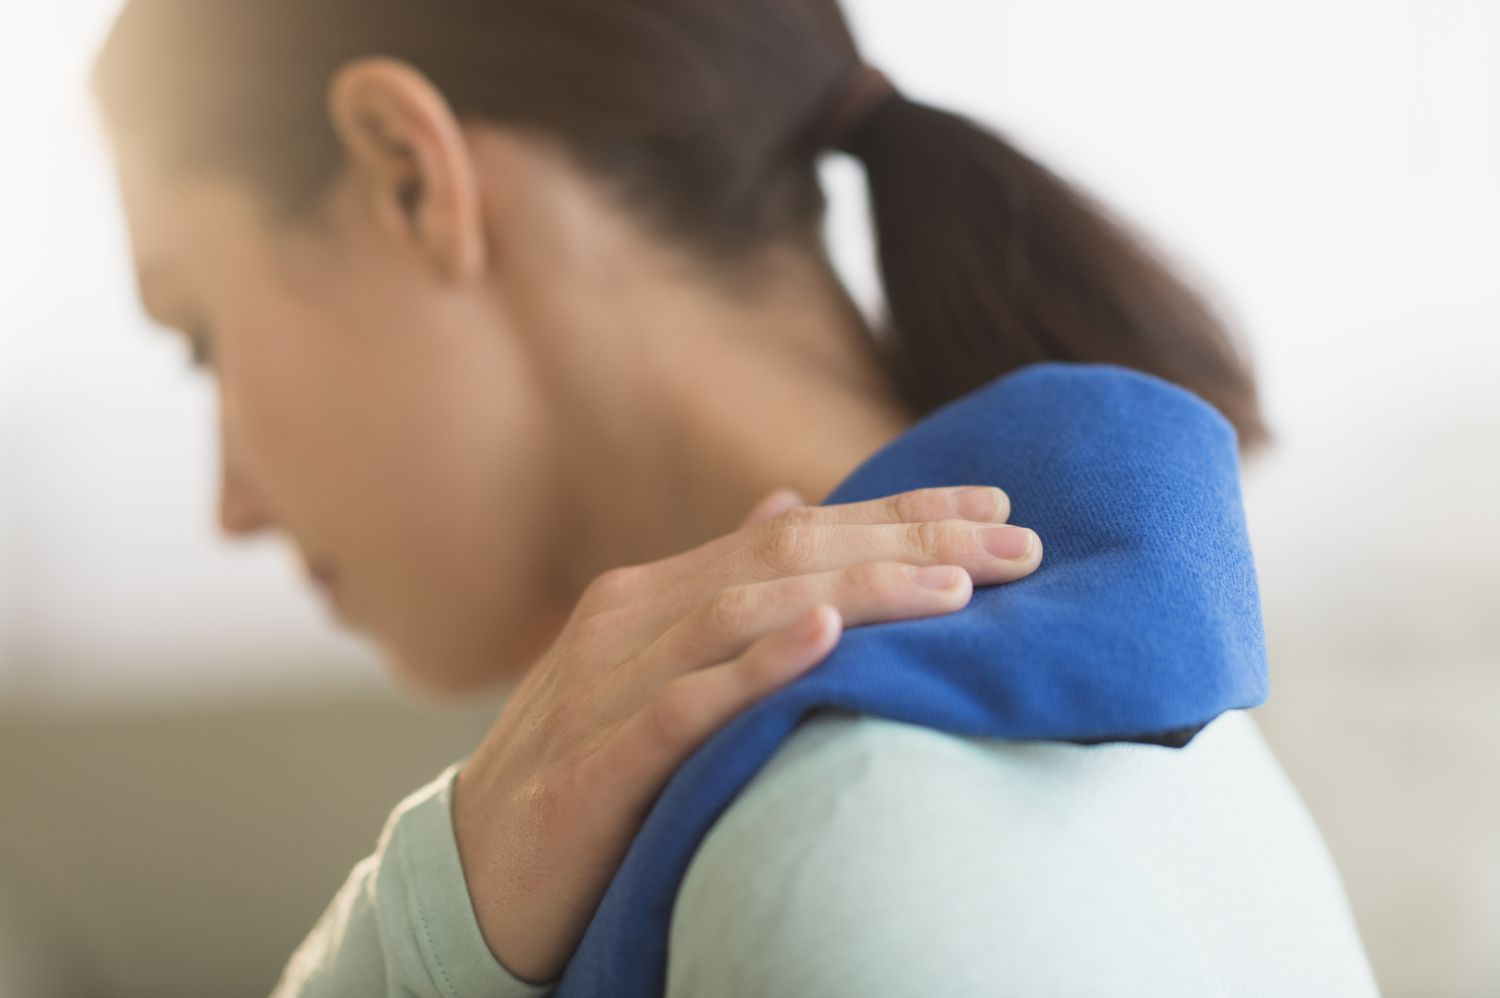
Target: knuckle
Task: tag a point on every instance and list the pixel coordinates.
(789, 547)
(796, 516)
(928, 539)
(872, 577)
(906, 506)
(612, 586)
(896, 584)
(730, 610)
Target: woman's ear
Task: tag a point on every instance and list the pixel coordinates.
(408, 153)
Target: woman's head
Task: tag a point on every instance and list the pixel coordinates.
(493, 290)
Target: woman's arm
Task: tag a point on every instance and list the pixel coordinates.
(500, 866)
(402, 924)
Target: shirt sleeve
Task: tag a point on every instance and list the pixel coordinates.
(402, 924)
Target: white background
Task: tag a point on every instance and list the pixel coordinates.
(1326, 169)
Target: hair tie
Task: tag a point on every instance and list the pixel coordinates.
(866, 90)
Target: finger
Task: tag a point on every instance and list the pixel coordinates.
(981, 503)
(990, 553)
(797, 541)
(735, 617)
(970, 502)
(633, 765)
(771, 505)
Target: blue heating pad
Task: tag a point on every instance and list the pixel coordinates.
(1142, 623)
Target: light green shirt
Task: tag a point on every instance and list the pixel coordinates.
(874, 858)
(402, 923)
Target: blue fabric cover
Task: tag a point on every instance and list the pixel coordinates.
(1142, 622)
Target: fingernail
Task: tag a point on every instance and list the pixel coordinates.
(936, 576)
(1006, 542)
(978, 504)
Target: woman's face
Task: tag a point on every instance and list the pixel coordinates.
(469, 383)
(383, 420)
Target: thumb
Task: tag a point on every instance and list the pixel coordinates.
(780, 500)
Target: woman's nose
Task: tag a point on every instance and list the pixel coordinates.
(240, 511)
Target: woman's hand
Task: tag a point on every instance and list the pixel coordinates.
(656, 657)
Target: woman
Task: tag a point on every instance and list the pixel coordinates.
(514, 309)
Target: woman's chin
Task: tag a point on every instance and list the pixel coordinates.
(439, 675)
(457, 657)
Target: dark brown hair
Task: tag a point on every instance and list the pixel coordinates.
(703, 116)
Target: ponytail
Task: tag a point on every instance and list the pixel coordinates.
(990, 262)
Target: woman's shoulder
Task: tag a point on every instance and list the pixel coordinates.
(836, 762)
(873, 856)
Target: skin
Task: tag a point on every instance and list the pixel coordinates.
(470, 409)
(530, 442)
